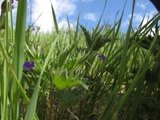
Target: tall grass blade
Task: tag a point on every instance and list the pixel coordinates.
(107, 112)
(77, 26)
(13, 72)
(55, 19)
(31, 111)
(5, 73)
(19, 53)
(105, 4)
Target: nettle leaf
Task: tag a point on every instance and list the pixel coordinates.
(62, 82)
(96, 39)
(87, 36)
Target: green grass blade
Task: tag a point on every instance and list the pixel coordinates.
(31, 111)
(55, 19)
(77, 26)
(5, 73)
(19, 53)
(69, 26)
(105, 4)
(33, 102)
(20, 37)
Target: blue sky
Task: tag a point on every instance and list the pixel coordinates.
(90, 11)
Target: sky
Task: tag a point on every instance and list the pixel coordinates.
(89, 11)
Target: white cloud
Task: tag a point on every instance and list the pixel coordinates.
(63, 7)
(43, 7)
(63, 25)
(142, 5)
(90, 16)
(138, 17)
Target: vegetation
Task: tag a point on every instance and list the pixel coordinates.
(79, 74)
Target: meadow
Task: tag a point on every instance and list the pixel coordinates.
(80, 74)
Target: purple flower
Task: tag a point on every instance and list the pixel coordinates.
(28, 66)
(102, 57)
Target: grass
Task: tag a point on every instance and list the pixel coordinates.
(81, 74)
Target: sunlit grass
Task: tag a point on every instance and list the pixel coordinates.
(79, 74)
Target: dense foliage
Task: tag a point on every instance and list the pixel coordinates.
(81, 74)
